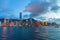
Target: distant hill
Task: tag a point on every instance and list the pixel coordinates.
(29, 20)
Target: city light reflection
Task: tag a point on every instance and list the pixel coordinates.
(4, 33)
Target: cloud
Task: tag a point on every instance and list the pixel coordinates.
(55, 8)
(6, 10)
(52, 15)
(38, 7)
(6, 13)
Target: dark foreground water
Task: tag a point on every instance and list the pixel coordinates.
(29, 33)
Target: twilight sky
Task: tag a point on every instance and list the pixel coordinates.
(30, 8)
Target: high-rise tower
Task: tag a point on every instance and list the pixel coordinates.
(20, 23)
(20, 15)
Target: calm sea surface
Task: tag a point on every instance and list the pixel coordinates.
(29, 33)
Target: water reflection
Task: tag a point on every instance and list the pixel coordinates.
(14, 33)
(30, 33)
(41, 33)
(4, 33)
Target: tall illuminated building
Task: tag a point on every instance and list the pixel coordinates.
(20, 23)
(0, 23)
(5, 21)
(26, 24)
(31, 21)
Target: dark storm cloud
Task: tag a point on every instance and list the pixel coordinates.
(37, 7)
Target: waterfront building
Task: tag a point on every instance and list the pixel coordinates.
(20, 22)
(4, 23)
(31, 22)
(26, 24)
(45, 23)
(11, 23)
(0, 23)
(16, 24)
(7, 22)
(42, 23)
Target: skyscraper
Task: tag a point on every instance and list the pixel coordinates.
(20, 23)
(20, 15)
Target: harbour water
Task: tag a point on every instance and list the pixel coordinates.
(29, 33)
